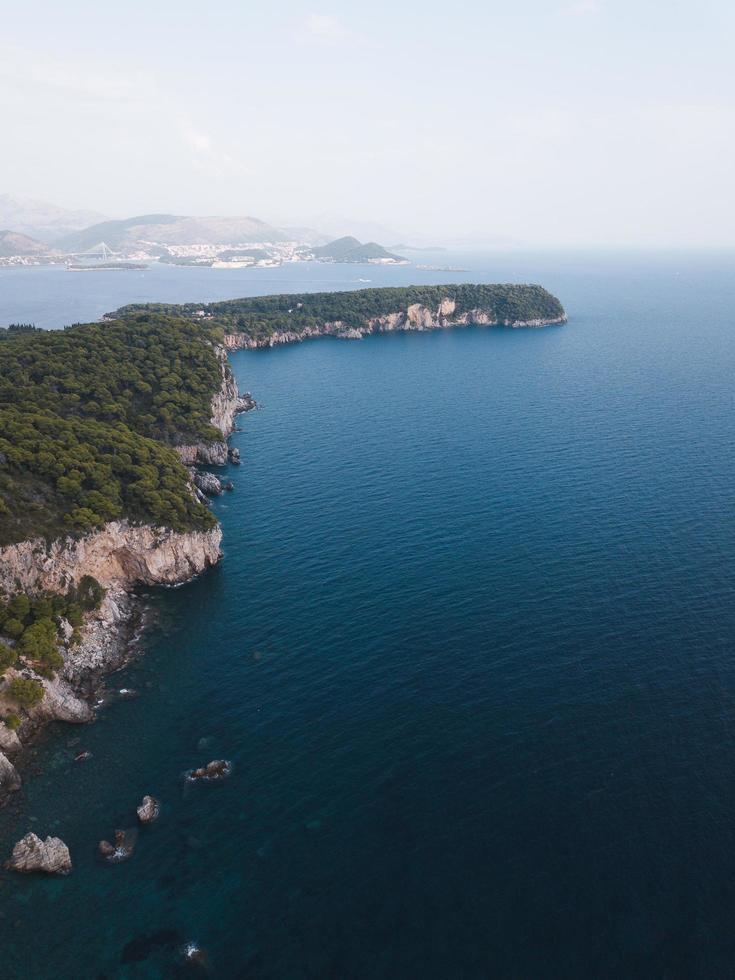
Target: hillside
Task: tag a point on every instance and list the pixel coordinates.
(15, 243)
(41, 220)
(88, 416)
(350, 249)
(172, 230)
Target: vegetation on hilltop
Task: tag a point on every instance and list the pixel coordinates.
(261, 317)
(88, 417)
(349, 249)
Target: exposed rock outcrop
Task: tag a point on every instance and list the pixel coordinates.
(206, 453)
(226, 404)
(246, 402)
(217, 769)
(32, 854)
(9, 778)
(208, 483)
(9, 741)
(148, 810)
(119, 556)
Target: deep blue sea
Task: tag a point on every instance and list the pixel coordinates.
(471, 650)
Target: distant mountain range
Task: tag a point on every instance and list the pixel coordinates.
(36, 228)
(349, 249)
(171, 229)
(41, 220)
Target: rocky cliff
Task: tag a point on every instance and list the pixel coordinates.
(226, 403)
(414, 317)
(120, 556)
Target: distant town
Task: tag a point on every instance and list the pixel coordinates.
(42, 235)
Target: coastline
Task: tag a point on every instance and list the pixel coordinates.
(122, 556)
(416, 317)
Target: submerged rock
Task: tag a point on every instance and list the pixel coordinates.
(217, 769)
(122, 848)
(148, 810)
(32, 854)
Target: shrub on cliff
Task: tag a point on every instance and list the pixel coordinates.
(8, 657)
(19, 607)
(25, 691)
(38, 642)
(13, 628)
(89, 593)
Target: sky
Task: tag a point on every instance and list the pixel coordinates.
(554, 123)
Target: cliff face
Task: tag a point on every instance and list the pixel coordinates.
(119, 555)
(414, 317)
(225, 405)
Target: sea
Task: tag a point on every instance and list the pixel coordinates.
(471, 652)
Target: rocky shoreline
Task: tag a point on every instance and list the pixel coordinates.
(416, 317)
(121, 557)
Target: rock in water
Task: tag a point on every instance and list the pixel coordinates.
(208, 484)
(32, 854)
(121, 849)
(148, 810)
(9, 778)
(233, 454)
(245, 403)
(217, 769)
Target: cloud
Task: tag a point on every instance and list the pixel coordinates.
(583, 7)
(27, 69)
(324, 29)
(206, 156)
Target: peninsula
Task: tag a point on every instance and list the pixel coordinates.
(102, 426)
(263, 321)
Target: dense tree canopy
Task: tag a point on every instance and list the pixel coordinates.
(88, 417)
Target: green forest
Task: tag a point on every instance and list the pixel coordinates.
(261, 317)
(88, 419)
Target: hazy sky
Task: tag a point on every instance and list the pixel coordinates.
(537, 121)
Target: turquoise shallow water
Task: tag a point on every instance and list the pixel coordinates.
(471, 652)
